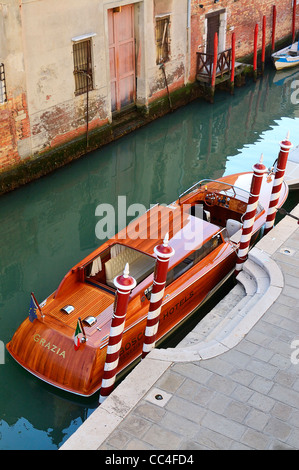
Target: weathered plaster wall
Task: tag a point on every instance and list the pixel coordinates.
(14, 121)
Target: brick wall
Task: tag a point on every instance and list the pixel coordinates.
(242, 15)
(14, 127)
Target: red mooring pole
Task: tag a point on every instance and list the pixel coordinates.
(285, 147)
(273, 28)
(124, 285)
(258, 171)
(294, 21)
(215, 58)
(264, 44)
(256, 31)
(164, 252)
(232, 74)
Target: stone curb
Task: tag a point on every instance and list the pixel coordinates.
(105, 419)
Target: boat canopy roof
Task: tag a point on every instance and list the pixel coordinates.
(186, 233)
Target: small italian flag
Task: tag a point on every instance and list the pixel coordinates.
(77, 340)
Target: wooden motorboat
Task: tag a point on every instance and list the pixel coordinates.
(287, 57)
(204, 227)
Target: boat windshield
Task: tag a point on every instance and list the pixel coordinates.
(223, 188)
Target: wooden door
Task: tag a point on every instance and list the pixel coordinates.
(213, 27)
(122, 56)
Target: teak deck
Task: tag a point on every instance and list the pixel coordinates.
(205, 255)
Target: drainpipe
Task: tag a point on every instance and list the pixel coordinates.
(188, 13)
(188, 52)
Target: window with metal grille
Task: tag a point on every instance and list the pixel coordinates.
(82, 66)
(162, 39)
(3, 96)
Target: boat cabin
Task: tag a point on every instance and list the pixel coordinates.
(204, 217)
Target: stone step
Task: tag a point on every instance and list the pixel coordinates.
(226, 317)
(263, 260)
(247, 281)
(260, 275)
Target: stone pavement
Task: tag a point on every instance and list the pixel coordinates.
(232, 383)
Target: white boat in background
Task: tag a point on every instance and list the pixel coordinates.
(292, 169)
(287, 57)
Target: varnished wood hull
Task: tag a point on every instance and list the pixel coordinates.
(45, 347)
(48, 353)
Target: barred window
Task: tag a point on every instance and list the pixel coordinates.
(3, 96)
(82, 66)
(162, 39)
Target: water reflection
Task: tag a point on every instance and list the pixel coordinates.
(49, 225)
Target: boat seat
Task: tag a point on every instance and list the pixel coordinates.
(140, 266)
(198, 211)
(233, 227)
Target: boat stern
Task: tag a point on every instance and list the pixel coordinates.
(50, 355)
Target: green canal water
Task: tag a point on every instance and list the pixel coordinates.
(49, 225)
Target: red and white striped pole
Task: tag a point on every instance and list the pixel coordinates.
(285, 147)
(258, 171)
(124, 285)
(164, 252)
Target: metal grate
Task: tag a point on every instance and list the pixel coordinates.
(162, 40)
(3, 95)
(82, 66)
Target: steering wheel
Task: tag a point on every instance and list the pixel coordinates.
(210, 199)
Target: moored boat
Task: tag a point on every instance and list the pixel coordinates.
(204, 227)
(287, 57)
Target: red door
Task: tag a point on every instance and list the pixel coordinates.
(122, 56)
(213, 27)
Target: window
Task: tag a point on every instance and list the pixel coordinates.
(193, 259)
(82, 66)
(162, 39)
(3, 96)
